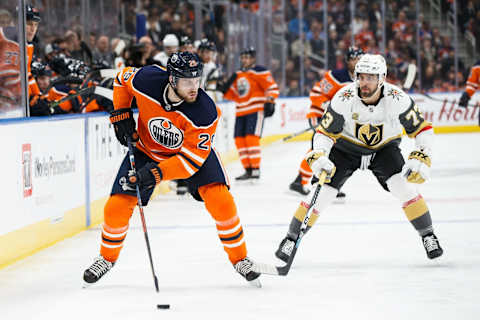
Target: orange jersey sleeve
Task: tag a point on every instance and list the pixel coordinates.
(122, 88)
(251, 89)
(473, 81)
(33, 89)
(61, 91)
(324, 90)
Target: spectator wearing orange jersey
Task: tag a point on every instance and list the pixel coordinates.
(254, 91)
(320, 95)
(473, 84)
(176, 125)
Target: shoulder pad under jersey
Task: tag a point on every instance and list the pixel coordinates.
(396, 97)
(344, 98)
(342, 75)
(202, 112)
(151, 80)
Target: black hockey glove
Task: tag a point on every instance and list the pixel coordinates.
(39, 107)
(146, 177)
(463, 102)
(124, 125)
(268, 109)
(224, 86)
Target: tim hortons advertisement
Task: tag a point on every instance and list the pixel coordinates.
(442, 110)
(48, 169)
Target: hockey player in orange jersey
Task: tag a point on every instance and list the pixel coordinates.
(38, 103)
(473, 84)
(320, 95)
(254, 91)
(176, 126)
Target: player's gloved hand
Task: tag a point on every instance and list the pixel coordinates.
(417, 168)
(318, 162)
(268, 109)
(146, 177)
(124, 125)
(39, 107)
(223, 86)
(463, 102)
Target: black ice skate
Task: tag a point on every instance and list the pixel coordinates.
(255, 174)
(244, 268)
(285, 249)
(182, 187)
(297, 186)
(432, 246)
(340, 197)
(97, 270)
(247, 175)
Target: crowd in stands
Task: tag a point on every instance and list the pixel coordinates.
(170, 25)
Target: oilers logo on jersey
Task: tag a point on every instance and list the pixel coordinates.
(165, 133)
(243, 87)
(369, 134)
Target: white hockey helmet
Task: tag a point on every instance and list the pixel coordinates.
(170, 40)
(372, 64)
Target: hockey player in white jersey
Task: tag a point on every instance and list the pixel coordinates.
(361, 129)
(207, 52)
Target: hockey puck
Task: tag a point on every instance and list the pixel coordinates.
(163, 306)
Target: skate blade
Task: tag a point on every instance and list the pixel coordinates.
(255, 283)
(339, 201)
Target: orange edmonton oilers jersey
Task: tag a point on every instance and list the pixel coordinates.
(251, 89)
(473, 81)
(325, 89)
(177, 135)
(33, 89)
(61, 91)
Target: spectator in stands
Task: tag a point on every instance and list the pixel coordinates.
(154, 29)
(77, 48)
(102, 51)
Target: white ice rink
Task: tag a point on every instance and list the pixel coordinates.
(362, 260)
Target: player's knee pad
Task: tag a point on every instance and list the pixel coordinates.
(400, 188)
(218, 200)
(325, 197)
(119, 209)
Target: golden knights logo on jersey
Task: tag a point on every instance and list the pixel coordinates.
(368, 134)
(243, 86)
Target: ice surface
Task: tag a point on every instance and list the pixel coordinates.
(362, 260)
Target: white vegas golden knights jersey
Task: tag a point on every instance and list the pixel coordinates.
(364, 129)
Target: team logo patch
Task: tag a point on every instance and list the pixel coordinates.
(395, 94)
(165, 133)
(243, 87)
(368, 134)
(128, 74)
(346, 94)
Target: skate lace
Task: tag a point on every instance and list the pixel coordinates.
(430, 243)
(100, 267)
(244, 266)
(288, 247)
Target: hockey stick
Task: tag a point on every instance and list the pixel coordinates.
(411, 73)
(131, 157)
(101, 91)
(447, 101)
(296, 134)
(283, 271)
